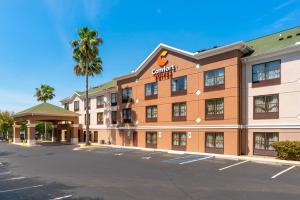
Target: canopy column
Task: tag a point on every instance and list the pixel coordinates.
(16, 136)
(54, 132)
(74, 133)
(31, 133)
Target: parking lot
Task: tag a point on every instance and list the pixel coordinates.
(67, 172)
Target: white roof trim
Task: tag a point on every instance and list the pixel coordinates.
(197, 55)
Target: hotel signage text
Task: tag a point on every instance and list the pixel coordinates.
(164, 71)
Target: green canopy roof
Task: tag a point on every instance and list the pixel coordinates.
(46, 109)
(275, 41)
(101, 88)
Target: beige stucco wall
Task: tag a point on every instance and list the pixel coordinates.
(288, 90)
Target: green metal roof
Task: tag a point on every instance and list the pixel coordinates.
(275, 41)
(101, 88)
(46, 109)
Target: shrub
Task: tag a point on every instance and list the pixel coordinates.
(288, 150)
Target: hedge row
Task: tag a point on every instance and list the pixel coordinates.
(288, 150)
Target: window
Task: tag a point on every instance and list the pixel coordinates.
(126, 95)
(179, 111)
(89, 104)
(67, 106)
(113, 117)
(178, 85)
(263, 143)
(113, 98)
(179, 141)
(151, 139)
(76, 105)
(88, 119)
(214, 79)
(151, 113)
(100, 118)
(126, 115)
(100, 101)
(266, 107)
(214, 109)
(214, 142)
(265, 74)
(151, 90)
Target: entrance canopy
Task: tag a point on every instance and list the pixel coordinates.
(44, 112)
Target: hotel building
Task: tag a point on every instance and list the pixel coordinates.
(234, 99)
(102, 110)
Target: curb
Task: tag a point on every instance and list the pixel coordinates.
(228, 157)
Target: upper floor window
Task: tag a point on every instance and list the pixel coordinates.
(151, 113)
(76, 105)
(113, 117)
(89, 104)
(113, 99)
(264, 74)
(100, 118)
(151, 90)
(179, 111)
(179, 85)
(214, 109)
(266, 107)
(126, 95)
(214, 79)
(126, 113)
(67, 106)
(100, 101)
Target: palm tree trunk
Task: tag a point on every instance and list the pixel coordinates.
(87, 141)
(45, 133)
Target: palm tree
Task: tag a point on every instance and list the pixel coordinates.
(88, 63)
(44, 93)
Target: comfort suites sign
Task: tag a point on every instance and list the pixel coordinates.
(164, 71)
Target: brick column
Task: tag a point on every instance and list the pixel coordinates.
(54, 133)
(31, 133)
(74, 135)
(16, 136)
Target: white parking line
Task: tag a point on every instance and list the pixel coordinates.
(233, 165)
(64, 197)
(146, 158)
(194, 160)
(23, 188)
(15, 178)
(5, 173)
(283, 171)
(118, 154)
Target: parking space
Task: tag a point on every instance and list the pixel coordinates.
(123, 173)
(21, 187)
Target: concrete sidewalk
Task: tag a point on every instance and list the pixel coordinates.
(258, 159)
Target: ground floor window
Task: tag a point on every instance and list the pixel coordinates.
(151, 139)
(214, 142)
(179, 141)
(263, 143)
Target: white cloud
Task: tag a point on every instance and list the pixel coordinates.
(284, 4)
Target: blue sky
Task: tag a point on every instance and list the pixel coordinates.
(35, 36)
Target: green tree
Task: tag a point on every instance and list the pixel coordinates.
(88, 62)
(6, 123)
(44, 93)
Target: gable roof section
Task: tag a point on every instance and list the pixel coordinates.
(197, 55)
(275, 41)
(98, 89)
(46, 109)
